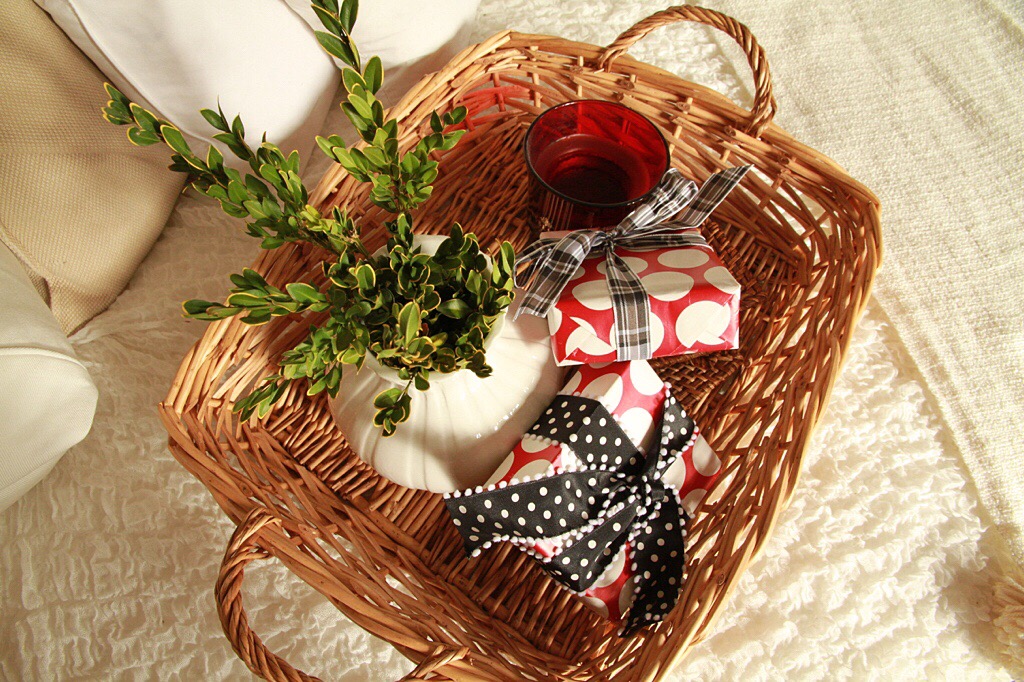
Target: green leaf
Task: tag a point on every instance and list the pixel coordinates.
(214, 159)
(196, 306)
(347, 14)
(335, 47)
(366, 277)
(328, 19)
(451, 139)
(358, 121)
(253, 279)
(116, 95)
(373, 75)
(357, 98)
(355, 56)
(351, 79)
(142, 138)
(454, 308)
(174, 139)
(233, 144)
(216, 191)
(376, 157)
(115, 114)
(506, 259)
(458, 115)
(409, 321)
(215, 119)
(264, 408)
(237, 192)
(257, 317)
(237, 128)
(271, 175)
(388, 398)
(325, 146)
(304, 293)
(233, 210)
(474, 284)
(243, 300)
(317, 387)
(146, 120)
(351, 356)
(429, 174)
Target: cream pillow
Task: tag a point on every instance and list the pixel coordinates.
(47, 399)
(411, 37)
(175, 57)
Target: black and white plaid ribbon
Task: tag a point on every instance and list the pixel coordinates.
(616, 495)
(551, 263)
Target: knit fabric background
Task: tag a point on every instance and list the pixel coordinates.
(923, 101)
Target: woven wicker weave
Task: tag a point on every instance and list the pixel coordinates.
(799, 234)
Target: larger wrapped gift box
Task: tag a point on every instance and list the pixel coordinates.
(635, 396)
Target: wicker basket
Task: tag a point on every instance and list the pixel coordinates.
(798, 233)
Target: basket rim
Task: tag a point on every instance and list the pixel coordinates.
(773, 132)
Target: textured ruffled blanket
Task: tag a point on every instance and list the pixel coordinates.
(881, 569)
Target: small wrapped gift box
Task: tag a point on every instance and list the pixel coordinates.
(600, 491)
(694, 304)
(649, 287)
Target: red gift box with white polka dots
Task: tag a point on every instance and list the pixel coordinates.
(694, 299)
(634, 394)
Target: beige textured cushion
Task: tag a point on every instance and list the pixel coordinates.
(80, 206)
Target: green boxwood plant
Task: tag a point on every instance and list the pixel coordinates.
(416, 313)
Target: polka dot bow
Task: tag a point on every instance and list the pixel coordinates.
(549, 264)
(615, 496)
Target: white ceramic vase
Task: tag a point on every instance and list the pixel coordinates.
(460, 429)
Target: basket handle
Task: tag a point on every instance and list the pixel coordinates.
(242, 549)
(763, 111)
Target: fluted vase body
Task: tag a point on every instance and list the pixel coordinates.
(462, 427)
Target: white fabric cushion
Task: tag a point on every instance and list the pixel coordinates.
(411, 37)
(47, 399)
(175, 57)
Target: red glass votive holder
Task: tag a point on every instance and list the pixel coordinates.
(592, 162)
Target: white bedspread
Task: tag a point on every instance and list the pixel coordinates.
(881, 569)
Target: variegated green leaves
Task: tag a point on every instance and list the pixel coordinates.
(416, 313)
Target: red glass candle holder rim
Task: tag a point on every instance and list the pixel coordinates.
(589, 204)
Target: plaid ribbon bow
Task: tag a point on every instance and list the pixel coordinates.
(551, 263)
(615, 496)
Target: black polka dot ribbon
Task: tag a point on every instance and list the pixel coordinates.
(615, 495)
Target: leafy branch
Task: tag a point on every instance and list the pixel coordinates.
(415, 313)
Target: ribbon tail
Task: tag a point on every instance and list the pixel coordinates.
(670, 196)
(579, 565)
(711, 194)
(676, 432)
(552, 271)
(527, 261)
(527, 511)
(659, 561)
(631, 309)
